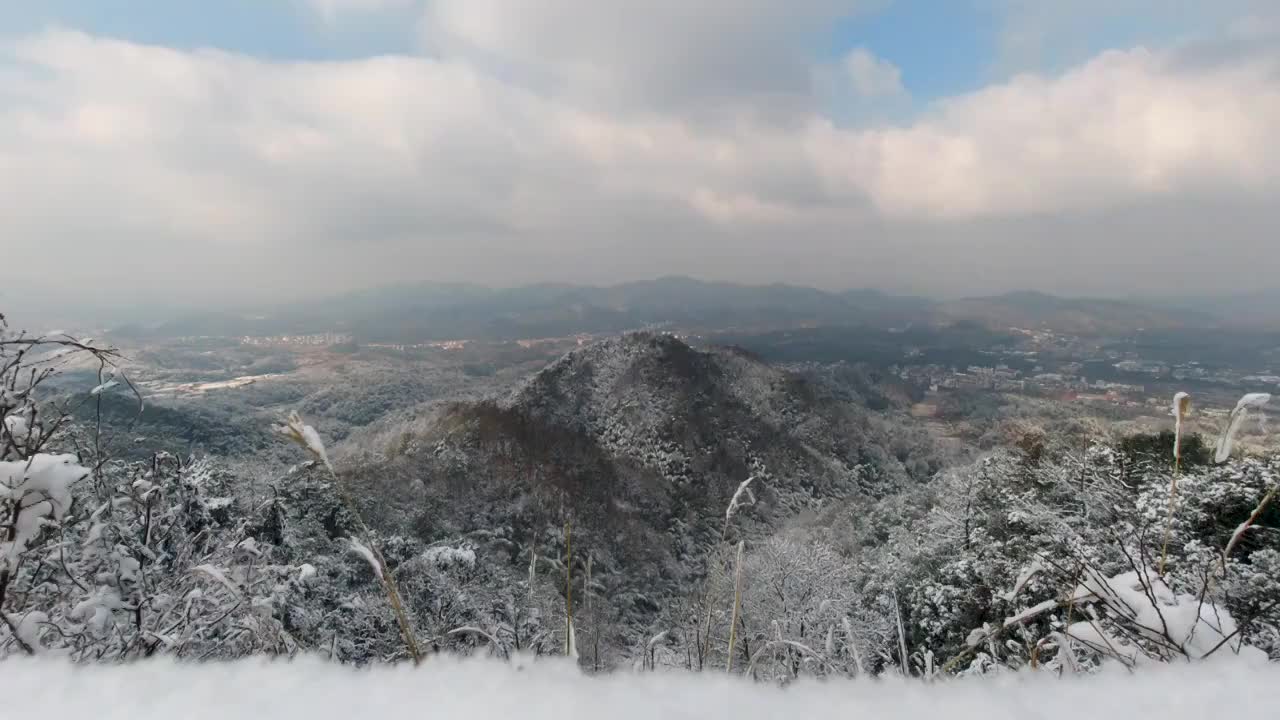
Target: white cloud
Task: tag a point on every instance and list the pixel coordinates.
(313, 176)
(1125, 126)
(645, 55)
(1040, 35)
(872, 76)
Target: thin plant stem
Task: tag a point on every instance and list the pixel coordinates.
(737, 603)
(568, 591)
(388, 581)
(1168, 518)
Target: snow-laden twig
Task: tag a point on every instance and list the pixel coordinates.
(1147, 620)
(656, 639)
(494, 643)
(781, 642)
(1243, 527)
(219, 576)
(1023, 578)
(26, 629)
(650, 648)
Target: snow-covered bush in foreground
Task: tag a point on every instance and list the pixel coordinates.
(480, 690)
(106, 560)
(143, 563)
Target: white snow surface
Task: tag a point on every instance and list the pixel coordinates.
(444, 557)
(42, 487)
(554, 690)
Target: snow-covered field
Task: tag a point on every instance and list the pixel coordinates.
(477, 690)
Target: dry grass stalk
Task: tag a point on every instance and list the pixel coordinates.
(533, 569)
(742, 497)
(307, 437)
(902, 636)
(1181, 409)
(1249, 403)
(593, 618)
(853, 645)
(737, 603)
(570, 648)
(1244, 526)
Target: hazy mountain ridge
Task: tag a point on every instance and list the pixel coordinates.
(433, 312)
(557, 310)
(1081, 316)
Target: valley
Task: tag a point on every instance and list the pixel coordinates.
(957, 368)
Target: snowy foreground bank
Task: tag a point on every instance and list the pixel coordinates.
(477, 690)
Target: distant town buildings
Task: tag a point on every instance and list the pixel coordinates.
(1142, 366)
(313, 339)
(580, 339)
(436, 345)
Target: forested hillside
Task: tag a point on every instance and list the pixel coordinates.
(638, 503)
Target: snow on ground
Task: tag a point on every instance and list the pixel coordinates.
(484, 690)
(156, 388)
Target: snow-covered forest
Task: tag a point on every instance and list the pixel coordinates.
(561, 521)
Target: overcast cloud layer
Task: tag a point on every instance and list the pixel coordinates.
(603, 140)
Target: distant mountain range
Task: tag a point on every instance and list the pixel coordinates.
(1077, 316)
(451, 311)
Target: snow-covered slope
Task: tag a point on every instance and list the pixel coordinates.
(656, 401)
(639, 442)
(553, 691)
(646, 438)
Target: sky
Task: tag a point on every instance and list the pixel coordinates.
(182, 151)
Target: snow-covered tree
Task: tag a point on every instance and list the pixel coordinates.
(102, 559)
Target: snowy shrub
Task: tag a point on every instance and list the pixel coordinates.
(445, 557)
(101, 559)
